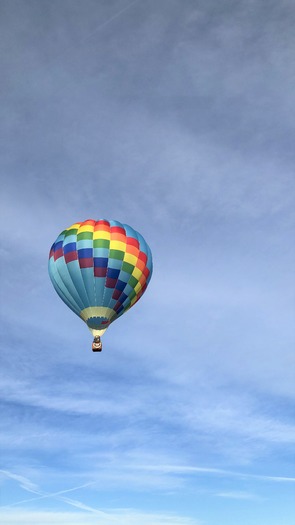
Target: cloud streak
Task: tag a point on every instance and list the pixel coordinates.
(108, 517)
(112, 518)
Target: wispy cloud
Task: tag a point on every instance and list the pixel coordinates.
(235, 415)
(115, 517)
(237, 495)
(190, 469)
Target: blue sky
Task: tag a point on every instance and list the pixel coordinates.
(176, 117)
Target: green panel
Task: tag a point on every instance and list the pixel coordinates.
(132, 281)
(84, 235)
(127, 267)
(131, 295)
(101, 243)
(73, 231)
(116, 254)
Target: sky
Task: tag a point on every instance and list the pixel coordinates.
(176, 117)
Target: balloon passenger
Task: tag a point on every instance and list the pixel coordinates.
(97, 344)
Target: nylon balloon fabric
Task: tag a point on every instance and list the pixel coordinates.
(100, 269)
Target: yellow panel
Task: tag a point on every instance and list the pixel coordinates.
(137, 288)
(137, 273)
(101, 234)
(97, 311)
(131, 259)
(118, 245)
(133, 301)
(76, 225)
(86, 228)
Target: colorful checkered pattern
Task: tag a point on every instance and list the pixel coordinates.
(102, 264)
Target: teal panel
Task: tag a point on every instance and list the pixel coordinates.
(129, 231)
(60, 237)
(115, 223)
(107, 297)
(88, 278)
(112, 302)
(60, 287)
(70, 238)
(128, 289)
(85, 243)
(99, 283)
(75, 272)
(101, 252)
(115, 263)
(65, 275)
(124, 276)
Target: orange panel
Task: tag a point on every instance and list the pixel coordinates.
(118, 237)
(132, 249)
(140, 264)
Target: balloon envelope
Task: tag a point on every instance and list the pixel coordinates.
(100, 269)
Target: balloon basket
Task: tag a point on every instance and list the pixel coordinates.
(97, 344)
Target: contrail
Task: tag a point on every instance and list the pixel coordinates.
(107, 22)
(101, 26)
(44, 495)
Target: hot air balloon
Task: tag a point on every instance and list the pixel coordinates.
(100, 269)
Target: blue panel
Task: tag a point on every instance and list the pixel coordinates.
(57, 245)
(120, 285)
(71, 247)
(126, 303)
(121, 310)
(122, 298)
(100, 262)
(112, 273)
(85, 253)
